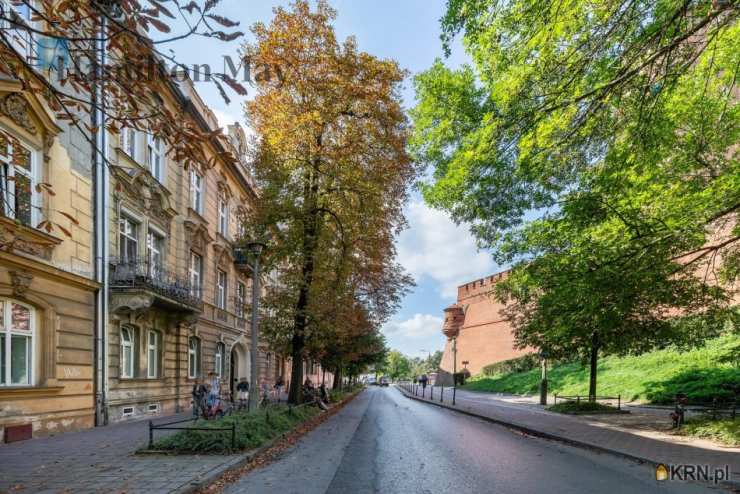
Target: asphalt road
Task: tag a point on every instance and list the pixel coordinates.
(384, 443)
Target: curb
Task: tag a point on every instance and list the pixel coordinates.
(215, 474)
(554, 437)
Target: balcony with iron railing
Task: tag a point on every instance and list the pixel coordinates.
(140, 284)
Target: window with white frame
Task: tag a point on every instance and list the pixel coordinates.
(218, 359)
(221, 282)
(18, 178)
(193, 357)
(153, 347)
(154, 250)
(128, 239)
(17, 356)
(241, 298)
(128, 142)
(128, 346)
(155, 152)
(195, 272)
(196, 191)
(20, 38)
(223, 216)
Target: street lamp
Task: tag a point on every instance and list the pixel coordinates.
(256, 249)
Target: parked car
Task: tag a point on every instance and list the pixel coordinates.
(384, 381)
(371, 381)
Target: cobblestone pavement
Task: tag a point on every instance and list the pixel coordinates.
(101, 460)
(614, 433)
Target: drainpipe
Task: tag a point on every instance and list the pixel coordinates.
(101, 237)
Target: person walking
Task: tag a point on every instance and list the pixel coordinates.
(242, 392)
(423, 380)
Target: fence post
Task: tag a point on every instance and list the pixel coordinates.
(233, 435)
(442, 395)
(431, 392)
(423, 391)
(578, 400)
(619, 402)
(151, 434)
(454, 392)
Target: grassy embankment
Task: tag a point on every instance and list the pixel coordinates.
(655, 377)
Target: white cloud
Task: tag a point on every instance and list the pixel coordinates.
(421, 331)
(419, 326)
(435, 247)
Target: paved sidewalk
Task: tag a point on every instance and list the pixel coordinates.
(102, 460)
(592, 430)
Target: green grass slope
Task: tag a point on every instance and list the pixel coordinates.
(702, 373)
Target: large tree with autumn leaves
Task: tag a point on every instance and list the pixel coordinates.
(331, 164)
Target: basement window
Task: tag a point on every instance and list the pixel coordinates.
(153, 408)
(128, 411)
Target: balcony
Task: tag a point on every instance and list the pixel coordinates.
(139, 285)
(241, 259)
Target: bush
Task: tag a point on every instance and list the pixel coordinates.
(253, 429)
(582, 407)
(519, 364)
(725, 431)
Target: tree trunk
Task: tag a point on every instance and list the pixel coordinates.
(310, 235)
(337, 378)
(594, 360)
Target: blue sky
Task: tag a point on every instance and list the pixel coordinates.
(439, 254)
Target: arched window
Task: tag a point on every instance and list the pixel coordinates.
(218, 359)
(127, 352)
(193, 357)
(17, 329)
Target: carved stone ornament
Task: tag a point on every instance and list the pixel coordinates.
(20, 280)
(16, 108)
(131, 303)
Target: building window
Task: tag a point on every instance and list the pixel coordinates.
(196, 192)
(17, 328)
(154, 344)
(221, 289)
(18, 172)
(223, 217)
(268, 361)
(154, 248)
(128, 142)
(127, 352)
(156, 157)
(193, 357)
(196, 274)
(218, 359)
(241, 298)
(128, 243)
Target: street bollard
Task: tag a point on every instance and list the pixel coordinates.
(423, 391)
(442, 395)
(454, 392)
(151, 434)
(233, 435)
(431, 393)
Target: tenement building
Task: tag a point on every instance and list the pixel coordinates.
(46, 270)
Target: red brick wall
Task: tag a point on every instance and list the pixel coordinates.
(485, 336)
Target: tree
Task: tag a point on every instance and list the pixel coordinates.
(331, 164)
(397, 365)
(593, 146)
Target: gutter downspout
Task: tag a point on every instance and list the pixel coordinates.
(101, 236)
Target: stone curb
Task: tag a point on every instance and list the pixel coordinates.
(553, 437)
(239, 462)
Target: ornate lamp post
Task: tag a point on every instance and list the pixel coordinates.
(256, 249)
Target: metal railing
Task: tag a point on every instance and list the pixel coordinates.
(585, 398)
(169, 426)
(151, 276)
